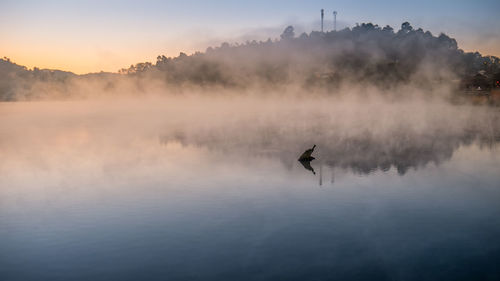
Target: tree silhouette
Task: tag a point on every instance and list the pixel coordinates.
(288, 33)
(366, 55)
(406, 27)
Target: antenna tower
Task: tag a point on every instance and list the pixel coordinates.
(322, 18)
(335, 20)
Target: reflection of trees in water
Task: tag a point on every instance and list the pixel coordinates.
(362, 153)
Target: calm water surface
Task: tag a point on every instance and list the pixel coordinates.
(86, 196)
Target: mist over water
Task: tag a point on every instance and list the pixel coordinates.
(187, 168)
(208, 187)
(360, 134)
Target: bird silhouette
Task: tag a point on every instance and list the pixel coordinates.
(306, 156)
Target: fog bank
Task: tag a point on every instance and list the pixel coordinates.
(360, 135)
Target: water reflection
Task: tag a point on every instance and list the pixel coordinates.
(94, 196)
(307, 165)
(363, 154)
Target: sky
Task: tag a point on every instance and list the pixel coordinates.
(92, 36)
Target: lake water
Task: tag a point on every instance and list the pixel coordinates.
(200, 189)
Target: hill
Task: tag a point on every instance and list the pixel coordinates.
(366, 55)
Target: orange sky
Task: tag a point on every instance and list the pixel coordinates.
(92, 36)
(86, 59)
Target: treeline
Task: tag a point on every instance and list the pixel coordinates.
(20, 83)
(365, 55)
(17, 80)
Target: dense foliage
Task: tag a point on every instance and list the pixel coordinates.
(363, 55)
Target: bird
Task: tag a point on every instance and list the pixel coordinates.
(306, 156)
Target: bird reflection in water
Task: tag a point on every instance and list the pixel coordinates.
(307, 165)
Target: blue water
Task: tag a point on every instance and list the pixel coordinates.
(262, 222)
(75, 206)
